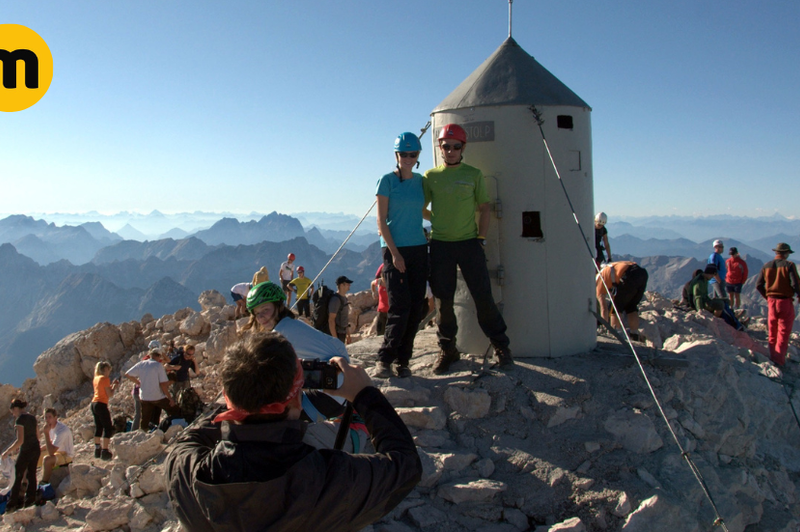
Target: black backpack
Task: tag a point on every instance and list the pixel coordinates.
(319, 314)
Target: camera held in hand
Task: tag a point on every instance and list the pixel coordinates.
(320, 375)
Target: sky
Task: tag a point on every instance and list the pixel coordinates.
(294, 106)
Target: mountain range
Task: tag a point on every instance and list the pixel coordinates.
(59, 279)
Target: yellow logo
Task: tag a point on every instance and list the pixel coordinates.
(26, 67)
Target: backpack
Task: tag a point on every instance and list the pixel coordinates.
(190, 404)
(319, 314)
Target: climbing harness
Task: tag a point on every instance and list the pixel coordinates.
(718, 521)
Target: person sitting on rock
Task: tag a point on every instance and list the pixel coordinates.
(687, 300)
(699, 292)
(248, 468)
(59, 449)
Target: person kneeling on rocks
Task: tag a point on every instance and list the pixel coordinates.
(249, 469)
(698, 288)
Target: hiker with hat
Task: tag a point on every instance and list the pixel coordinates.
(717, 284)
(304, 288)
(455, 191)
(601, 245)
(735, 278)
(778, 283)
(286, 273)
(405, 255)
(250, 467)
(338, 311)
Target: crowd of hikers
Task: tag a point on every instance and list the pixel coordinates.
(280, 395)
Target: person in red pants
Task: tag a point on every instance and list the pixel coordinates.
(778, 283)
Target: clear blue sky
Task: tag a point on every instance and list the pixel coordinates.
(294, 105)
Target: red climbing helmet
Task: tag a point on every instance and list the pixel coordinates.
(453, 131)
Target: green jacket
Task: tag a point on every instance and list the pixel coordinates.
(698, 288)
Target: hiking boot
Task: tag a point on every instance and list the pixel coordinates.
(382, 370)
(504, 358)
(446, 357)
(105, 454)
(97, 452)
(403, 372)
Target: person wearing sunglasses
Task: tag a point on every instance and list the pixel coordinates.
(454, 192)
(405, 256)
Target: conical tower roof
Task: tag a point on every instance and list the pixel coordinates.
(510, 76)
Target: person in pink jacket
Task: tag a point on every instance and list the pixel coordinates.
(735, 278)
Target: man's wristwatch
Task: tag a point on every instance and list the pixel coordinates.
(482, 240)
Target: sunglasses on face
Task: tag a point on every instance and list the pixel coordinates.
(409, 154)
(453, 147)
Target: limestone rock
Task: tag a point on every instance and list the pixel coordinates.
(137, 447)
(23, 516)
(634, 431)
(362, 300)
(86, 478)
(485, 467)
(108, 515)
(59, 368)
(128, 332)
(406, 396)
(152, 480)
(656, 513)
(479, 491)
(147, 318)
(457, 461)
(211, 298)
(140, 518)
(426, 516)
(432, 469)
(423, 417)
(7, 394)
(471, 404)
(563, 414)
(194, 325)
(573, 524)
(101, 342)
(49, 512)
(623, 507)
(218, 341)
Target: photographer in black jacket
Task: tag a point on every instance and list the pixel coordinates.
(248, 468)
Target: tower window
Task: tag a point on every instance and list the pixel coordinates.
(564, 121)
(531, 225)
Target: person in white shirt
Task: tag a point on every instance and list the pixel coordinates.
(287, 274)
(59, 448)
(151, 377)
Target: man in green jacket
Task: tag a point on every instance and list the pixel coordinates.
(698, 288)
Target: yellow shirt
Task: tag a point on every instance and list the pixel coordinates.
(301, 283)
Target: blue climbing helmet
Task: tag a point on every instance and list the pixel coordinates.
(407, 142)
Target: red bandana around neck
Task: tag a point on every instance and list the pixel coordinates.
(237, 414)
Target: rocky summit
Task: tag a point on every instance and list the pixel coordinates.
(570, 444)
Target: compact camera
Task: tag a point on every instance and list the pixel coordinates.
(320, 375)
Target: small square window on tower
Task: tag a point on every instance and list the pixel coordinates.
(564, 121)
(531, 225)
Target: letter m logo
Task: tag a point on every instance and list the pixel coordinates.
(9, 60)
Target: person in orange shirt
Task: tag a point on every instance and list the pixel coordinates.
(626, 283)
(103, 427)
